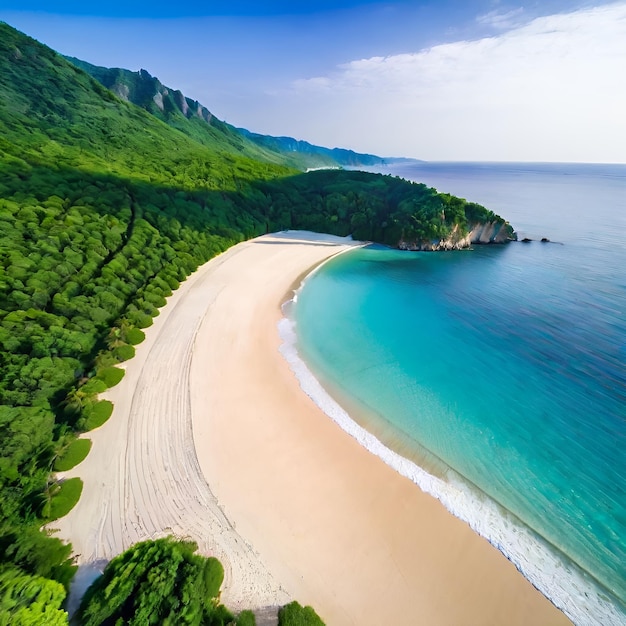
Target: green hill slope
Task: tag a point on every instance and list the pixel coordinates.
(331, 156)
(182, 113)
(196, 121)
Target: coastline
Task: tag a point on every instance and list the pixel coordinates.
(338, 527)
(212, 438)
(550, 571)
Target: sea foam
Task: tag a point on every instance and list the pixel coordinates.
(565, 584)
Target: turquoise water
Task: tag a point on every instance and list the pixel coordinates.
(501, 367)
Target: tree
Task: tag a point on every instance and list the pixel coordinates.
(294, 614)
(30, 600)
(157, 582)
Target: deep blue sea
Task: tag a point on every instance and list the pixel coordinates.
(501, 370)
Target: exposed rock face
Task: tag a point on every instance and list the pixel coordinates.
(146, 91)
(492, 232)
(121, 91)
(181, 102)
(158, 100)
(202, 112)
(484, 233)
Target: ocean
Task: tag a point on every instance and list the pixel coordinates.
(495, 377)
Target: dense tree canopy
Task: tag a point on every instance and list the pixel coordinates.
(157, 582)
(294, 614)
(30, 600)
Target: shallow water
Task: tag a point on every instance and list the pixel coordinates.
(500, 370)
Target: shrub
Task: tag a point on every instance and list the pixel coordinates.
(246, 618)
(294, 614)
(213, 576)
(124, 352)
(93, 386)
(160, 581)
(140, 319)
(97, 414)
(63, 498)
(28, 599)
(135, 336)
(74, 454)
(110, 375)
(220, 616)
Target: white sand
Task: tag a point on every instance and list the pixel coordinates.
(303, 510)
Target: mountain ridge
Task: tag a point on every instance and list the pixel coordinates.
(169, 104)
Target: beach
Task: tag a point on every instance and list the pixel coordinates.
(212, 438)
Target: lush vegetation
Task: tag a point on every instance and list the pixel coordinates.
(74, 453)
(157, 582)
(184, 114)
(62, 497)
(246, 618)
(370, 207)
(30, 600)
(104, 209)
(294, 614)
(315, 156)
(165, 582)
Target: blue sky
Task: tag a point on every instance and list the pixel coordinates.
(446, 80)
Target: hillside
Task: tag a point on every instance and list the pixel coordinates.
(176, 110)
(196, 121)
(316, 154)
(104, 209)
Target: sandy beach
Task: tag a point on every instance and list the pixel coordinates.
(212, 438)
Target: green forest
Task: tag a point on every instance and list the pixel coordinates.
(104, 210)
(157, 582)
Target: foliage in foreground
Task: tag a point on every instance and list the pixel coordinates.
(157, 582)
(163, 581)
(294, 614)
(30, 600)
(246, 618)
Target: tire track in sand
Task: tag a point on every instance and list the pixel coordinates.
(143, 479)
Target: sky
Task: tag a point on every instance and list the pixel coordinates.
(451, 80)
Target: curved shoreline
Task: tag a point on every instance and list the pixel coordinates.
(561, 580)
(296, 507)
(338, 527)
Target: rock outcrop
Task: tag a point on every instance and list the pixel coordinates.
(482, 233)
(492, 232)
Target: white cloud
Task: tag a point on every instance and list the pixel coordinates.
(496, 19)
(553, 89)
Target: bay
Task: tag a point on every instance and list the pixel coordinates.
(501, 368)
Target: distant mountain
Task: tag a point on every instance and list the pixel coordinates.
(340, 156)
(196, 121)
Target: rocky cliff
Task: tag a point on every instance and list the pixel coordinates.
(495, 231)
(145, 90)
